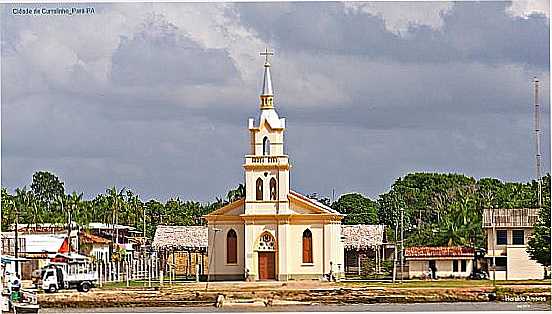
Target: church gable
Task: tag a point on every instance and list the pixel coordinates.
(301, 204)
(235, 208)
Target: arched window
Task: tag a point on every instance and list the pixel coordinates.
(231, 247)
(307, 246)
(266, 146)
(259, 190)
(273, 190)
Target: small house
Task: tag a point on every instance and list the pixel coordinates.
(439, 262)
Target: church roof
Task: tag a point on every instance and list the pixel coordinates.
(314, 202)
(267, 81)
(361, 237)
(180, 237)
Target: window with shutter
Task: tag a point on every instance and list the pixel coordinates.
(231, 247)
(307, 246)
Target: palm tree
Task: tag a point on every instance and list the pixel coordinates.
(117, 202)
(236, 194)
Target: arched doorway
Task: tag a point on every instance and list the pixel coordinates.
(266, 251)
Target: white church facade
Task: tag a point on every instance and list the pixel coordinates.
(273, 233)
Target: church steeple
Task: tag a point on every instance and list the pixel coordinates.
(267, 93)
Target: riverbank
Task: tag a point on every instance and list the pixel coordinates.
(380, 307)
(297, 293)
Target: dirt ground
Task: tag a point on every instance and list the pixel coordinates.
(304, 292)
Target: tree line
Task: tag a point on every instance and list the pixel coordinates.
(438, 209)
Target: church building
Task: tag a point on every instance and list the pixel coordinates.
(273, 233)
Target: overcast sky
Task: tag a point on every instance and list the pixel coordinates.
(156, 97)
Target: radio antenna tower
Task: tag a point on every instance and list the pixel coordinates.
(537, 142)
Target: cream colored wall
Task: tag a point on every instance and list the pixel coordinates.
(276, 138)
(520, 266)
(217, 249)
(289, 253)
(418, 268)
(253, 233)
(501, 249)
(295, 249)
(266, 206)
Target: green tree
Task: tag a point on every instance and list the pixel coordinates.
(359, 209)
(539, 244)
(236, 194)
(46, 187)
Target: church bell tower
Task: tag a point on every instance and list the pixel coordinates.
(266, 166)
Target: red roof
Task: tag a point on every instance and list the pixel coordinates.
(439, 251)
(93, 239)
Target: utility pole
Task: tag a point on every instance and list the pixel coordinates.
(537, 142)
(402, 244)
(395, 253)
(493, 220)
(16, 245)
(69, 228)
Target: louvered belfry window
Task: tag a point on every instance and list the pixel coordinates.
(307, 246)
(231, 247)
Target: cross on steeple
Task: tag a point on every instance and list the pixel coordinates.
(267, 53)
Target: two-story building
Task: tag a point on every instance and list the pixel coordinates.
(508, 230)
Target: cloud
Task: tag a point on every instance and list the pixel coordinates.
(525, 8)
(157, 97)
(399, 18)
(169, 58)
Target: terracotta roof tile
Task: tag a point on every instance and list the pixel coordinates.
(439, 251)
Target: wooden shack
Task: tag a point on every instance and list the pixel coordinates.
(182, 248)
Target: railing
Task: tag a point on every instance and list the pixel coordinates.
(257, 160)
(138, 269)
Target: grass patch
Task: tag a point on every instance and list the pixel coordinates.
(132, 283)
(443, 283)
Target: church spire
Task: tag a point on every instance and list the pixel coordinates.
(267, 94)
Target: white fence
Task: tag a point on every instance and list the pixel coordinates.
(140, 269)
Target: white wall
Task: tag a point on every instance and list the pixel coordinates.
(520, 266)
(418, 268)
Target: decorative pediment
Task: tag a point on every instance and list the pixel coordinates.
(301, 204)
(235, 208)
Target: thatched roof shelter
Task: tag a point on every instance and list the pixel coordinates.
(180, 238)
(362, 237)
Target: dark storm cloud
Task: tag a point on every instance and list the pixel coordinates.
(155, 104)
(473, 31)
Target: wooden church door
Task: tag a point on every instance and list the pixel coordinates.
(267, 265)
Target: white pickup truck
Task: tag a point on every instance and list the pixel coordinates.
(57, 277)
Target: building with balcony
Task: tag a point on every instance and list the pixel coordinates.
(507, 232)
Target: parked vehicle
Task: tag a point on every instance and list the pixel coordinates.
(56, 277)
(479, 274)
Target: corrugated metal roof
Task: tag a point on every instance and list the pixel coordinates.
(510, 217)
